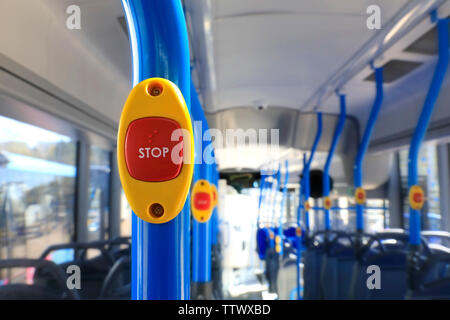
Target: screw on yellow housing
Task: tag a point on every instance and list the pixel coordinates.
(202, 200)
(360, 196)
(154, 150)
(416, 197)
(215, 195)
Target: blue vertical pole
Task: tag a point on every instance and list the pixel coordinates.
(215, 215)
(261, 199)
(305, 194)
(201, 231)
(216, 256)
(302, 196)
(326, 169)
(160, 48)
(282, 204)
(277, 187)
(299, 226)
(357, 169)
(306, 169)
(422, 125)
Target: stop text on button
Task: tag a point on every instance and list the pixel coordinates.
(152, 152)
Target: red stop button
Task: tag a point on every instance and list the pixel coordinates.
(418, 197)
(202, 201)
(150, 153)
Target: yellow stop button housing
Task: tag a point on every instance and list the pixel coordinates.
(215, 195)
(277, 244)
(155, 146)
(416, 197)
(360, 196)
(327, 203)
(202, 200)
(307, 206)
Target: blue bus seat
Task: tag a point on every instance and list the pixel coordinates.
(389, 251)
(312, 265)
(434, 277)
(337, 267)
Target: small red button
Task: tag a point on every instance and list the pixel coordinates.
(148, 149)
(418, 197)
(202, 201)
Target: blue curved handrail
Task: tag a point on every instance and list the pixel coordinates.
(362, 149)
(160, 48)
(422, 125)
(326, 169)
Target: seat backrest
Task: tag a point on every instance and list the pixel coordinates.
(55, 288)
(387, 250)
(433, 280)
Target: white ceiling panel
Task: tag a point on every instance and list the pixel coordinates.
(278, 52)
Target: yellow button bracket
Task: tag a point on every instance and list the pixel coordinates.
(360, 196)
(416, 197)
(307, 206)
(215, 195)
(327, 203)
(154, 150)
(202, 201)
(277, 244)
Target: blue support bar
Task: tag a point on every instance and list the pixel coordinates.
(301, 195)
(262, 186)
(299, 239)
(215, 215)
(326, 169)
(201, 231)
(306, 183)
(304, 196)
(275, 197)
(422, 125)
(357, 169)
(160, 48)
(283, 200)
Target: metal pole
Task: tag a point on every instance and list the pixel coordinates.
(418, 136)
(201, 231)
(326, 169)
(160, 48)
(299, 232)
(283, 200)
(261, 199)
(362, 149)
(306, 183)
(275, 197)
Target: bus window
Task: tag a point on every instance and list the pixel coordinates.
(125, 216)
(429, 180)
(100, 169)
(37, 188)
